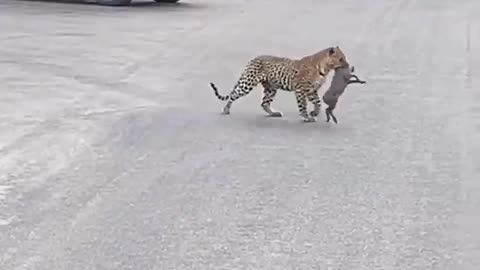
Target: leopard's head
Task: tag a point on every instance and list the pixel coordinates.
(336, 58)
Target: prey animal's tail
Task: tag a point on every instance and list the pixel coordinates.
(218, 94)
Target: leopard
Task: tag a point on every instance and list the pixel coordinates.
(341, 79)
(303, 76)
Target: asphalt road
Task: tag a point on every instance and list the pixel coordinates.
(114, 154)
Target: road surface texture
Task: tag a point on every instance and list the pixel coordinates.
(114, 154)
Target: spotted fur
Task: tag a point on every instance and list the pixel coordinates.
(302, 76)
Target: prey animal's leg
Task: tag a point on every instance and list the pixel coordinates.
(356, 80)
(329, 112)
(331, 101)
(315, 100)
(268, 96)
(300, 95)
(354, 76)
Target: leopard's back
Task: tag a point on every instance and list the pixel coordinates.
(279, 72)
(291, 74)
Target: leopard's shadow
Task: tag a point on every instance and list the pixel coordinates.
(290, 123)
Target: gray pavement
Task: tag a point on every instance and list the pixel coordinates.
(114, 155)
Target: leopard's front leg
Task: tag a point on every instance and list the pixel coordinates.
(301, 96)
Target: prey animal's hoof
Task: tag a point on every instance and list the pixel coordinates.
(331, 116)
(334, 120)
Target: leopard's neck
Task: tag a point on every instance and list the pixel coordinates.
(319, 61)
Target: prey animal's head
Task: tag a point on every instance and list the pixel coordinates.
(347, 72)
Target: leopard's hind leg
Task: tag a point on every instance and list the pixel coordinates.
(248, 80)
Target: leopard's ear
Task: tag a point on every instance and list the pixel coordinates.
(331, 51)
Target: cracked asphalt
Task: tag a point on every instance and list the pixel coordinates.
(114, 155)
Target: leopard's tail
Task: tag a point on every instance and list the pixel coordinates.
(218, 94)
